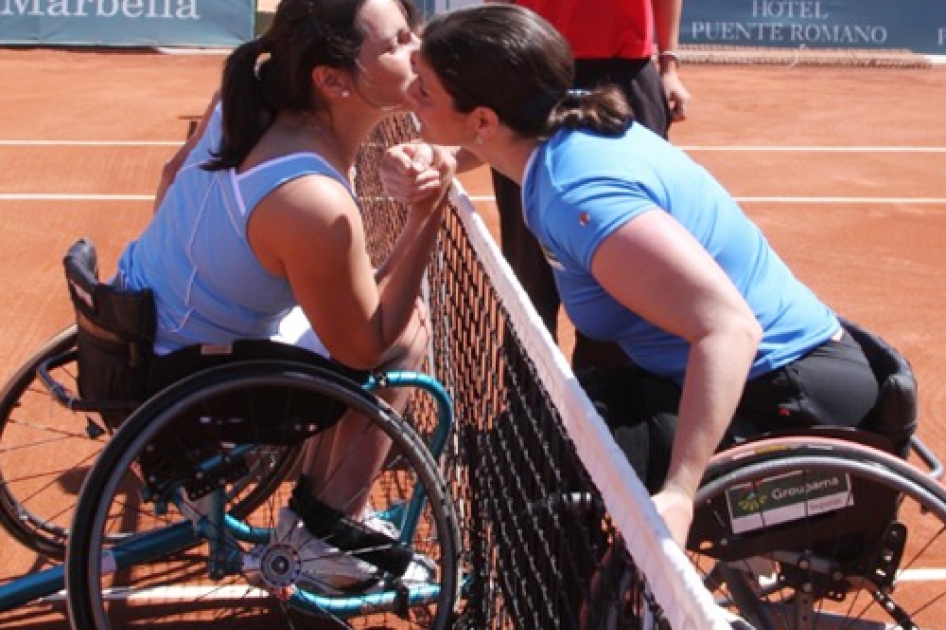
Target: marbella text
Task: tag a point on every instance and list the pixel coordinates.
(147, 9)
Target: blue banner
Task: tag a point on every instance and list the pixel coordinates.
(151, 23)
(916, 25)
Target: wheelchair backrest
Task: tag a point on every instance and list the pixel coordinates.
(895, 413)
(115, 333)
(114, 314)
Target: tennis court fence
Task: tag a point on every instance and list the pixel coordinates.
(542, 490)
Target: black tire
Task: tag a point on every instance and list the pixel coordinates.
(184, 566)
(867, 547)
(45, 452)
(47, 449)
(618, 598)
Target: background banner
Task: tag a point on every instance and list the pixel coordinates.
(916, 25)
(192, 23)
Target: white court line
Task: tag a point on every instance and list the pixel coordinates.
(848, 200)
(490, 198)
(803, 149)
(91, 143)
(792, 149)
(232, 592)
(66, 197)
(177, 593)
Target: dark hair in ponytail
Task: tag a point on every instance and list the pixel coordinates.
(604, 110)
(509, 59)
(273, 72)
(247, 115)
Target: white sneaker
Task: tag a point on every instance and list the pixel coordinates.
(375, 522)
(325, 568)
(735, 621)
(421, 569)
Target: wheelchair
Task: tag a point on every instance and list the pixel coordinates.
(177, 518)
(829, 528)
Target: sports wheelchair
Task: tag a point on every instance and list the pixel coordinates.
(177, 517)
(830, 528)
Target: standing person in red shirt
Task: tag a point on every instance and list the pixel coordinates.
(613, 41)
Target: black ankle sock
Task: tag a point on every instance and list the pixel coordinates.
(332, 526)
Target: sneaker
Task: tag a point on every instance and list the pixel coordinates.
(377, 523)
(325, 569)
(735, 621)
(374, 546)
(421, 568)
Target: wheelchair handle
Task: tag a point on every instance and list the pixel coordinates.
(70, 400)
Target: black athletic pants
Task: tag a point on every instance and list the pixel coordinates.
(833, 385)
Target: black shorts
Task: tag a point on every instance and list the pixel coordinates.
(833, 385)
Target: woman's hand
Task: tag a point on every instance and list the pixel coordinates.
(676, 508)
(677, 96)
(417, 174)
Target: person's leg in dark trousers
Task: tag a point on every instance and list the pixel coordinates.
(523, 253)
(641, 410)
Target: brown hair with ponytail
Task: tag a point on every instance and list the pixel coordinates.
(273, 72)
(509, 59)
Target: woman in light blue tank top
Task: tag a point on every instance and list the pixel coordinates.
(648, 251)
(257, 219)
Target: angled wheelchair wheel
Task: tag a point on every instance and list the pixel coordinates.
(45, 451)
(817, 533)
(193, 559)
(47, 448)
(618, 596)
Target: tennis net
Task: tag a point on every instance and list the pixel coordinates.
(541, 488)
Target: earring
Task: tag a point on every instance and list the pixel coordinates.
(345, 94)
(479, 140)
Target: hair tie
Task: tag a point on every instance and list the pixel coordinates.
(262, 55)
(574, 96)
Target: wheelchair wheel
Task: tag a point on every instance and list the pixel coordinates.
(193, 561)
(618, 596)
(809, 532)
(45, 451)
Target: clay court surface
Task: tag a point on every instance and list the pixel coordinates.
(843, 168)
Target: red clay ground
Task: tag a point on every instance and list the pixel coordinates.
(881, 264)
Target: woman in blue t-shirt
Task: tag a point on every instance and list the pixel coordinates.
(647, 248)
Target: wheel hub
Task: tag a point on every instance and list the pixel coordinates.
(273, 567)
